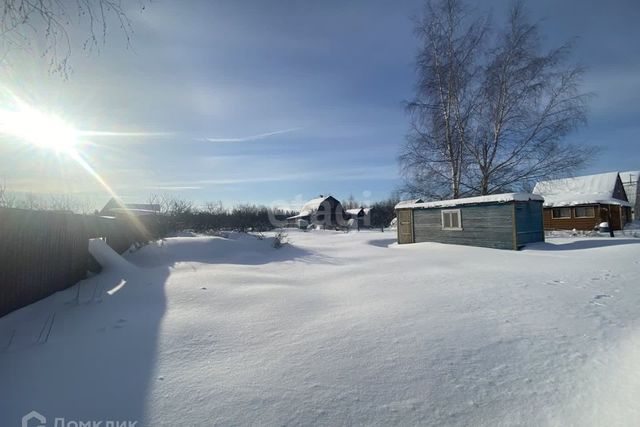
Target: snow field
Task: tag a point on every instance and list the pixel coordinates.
(338, 329)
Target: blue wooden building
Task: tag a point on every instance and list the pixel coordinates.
(502, 221)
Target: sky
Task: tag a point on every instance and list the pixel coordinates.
(275, 102)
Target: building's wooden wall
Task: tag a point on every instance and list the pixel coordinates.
(490, 226)
(586, 224)
(330, 214)
(616, 217)
(619, 191)
(529, 222)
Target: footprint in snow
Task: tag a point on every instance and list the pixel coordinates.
(596, 298)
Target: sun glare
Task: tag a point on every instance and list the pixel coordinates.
(39, 129)
(46, 131)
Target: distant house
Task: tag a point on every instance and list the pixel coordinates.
(583, 202)
(360, 216)
(630, 182)
(324, 211)
(115, 207)
(501, 221)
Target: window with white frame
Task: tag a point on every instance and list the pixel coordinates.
(451, 219)
(561, 213)
(585, 212)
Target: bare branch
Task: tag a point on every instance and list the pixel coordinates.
(48, 22)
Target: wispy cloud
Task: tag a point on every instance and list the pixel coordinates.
(253, 137)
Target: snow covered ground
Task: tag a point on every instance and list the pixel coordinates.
(336, 329)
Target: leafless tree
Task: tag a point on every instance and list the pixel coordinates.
(351, 203)
(490, 113)
(433, 158)
(215, 208)
(7, 199)
(48, 23)
(530, 101)
(170, 205)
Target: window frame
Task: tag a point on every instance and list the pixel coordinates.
(593, 211)
(444, 212)
(553, 211)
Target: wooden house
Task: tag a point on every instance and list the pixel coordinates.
(361, 217)
(630, 183)
(502, 221)
(323, 211)
(116, 207)
(583, 202)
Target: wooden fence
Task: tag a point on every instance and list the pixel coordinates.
(44, 252)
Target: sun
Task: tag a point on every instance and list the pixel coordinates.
(39, 129)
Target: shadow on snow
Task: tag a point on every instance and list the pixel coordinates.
(580, 244)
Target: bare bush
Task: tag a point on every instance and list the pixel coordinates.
(280, 239)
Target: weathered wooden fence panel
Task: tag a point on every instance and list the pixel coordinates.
(45, 252)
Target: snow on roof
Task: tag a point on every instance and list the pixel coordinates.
(493, 198)
(409, 202)
(310, 207)
(580, 190)
(138, 212)
(356, 211)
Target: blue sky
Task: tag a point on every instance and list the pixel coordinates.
(275, 102)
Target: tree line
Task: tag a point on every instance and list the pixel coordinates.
(181, 214)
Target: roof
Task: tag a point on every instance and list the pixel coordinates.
(580, 190)
(116, 205)
(409, 202)
(630, 182)
(137, 212)
(493, 198)
(357, 211)
(311, 207)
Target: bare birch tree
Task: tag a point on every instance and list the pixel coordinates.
(490, 113)
(433, 159)
(530, 101)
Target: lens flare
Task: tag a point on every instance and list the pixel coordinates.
(49, 132)
(40, 129)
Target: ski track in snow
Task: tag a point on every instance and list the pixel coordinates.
(336, 329)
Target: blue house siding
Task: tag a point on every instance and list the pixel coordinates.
(529, 222)
(509, 225)
(487, 225)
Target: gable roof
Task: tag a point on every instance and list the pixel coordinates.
(312, 206)
(588, 189)
(493, 198)
(357, 211)
(630, 182)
